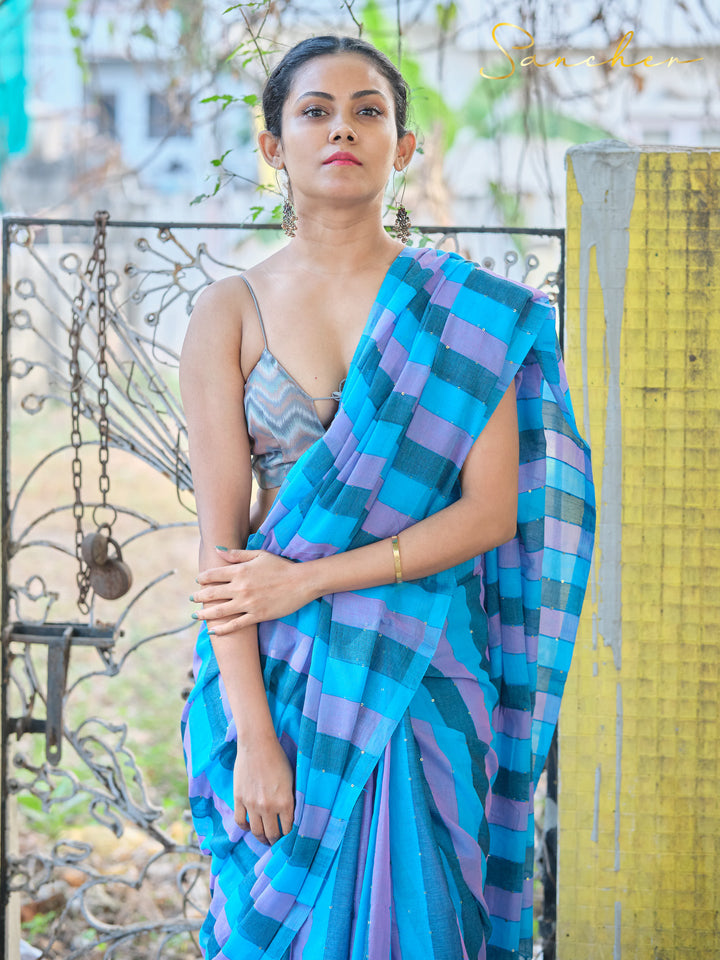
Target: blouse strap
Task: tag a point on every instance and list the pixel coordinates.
(257, 307)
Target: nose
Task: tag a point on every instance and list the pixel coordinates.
(342, 130)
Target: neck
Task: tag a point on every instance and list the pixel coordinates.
(342, 241)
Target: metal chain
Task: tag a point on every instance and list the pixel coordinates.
(100, 253)
(97, 261)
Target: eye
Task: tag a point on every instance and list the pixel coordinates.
(372, 110)
(313, 111)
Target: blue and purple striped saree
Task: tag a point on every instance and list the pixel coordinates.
(417, 716)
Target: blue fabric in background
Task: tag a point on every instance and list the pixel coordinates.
(14, 20)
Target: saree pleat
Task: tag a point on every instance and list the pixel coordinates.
(416, 716)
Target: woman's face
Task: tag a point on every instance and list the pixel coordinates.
(340, 103)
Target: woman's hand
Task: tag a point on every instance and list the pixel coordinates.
(251, 586)
(263, 789)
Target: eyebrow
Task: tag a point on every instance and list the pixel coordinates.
(329, 96)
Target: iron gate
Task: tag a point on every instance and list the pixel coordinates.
(96, 848)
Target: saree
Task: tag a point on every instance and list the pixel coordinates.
(417, 716)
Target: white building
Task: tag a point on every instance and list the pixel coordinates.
(138, 111)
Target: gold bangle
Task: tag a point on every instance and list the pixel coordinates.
(396, 557)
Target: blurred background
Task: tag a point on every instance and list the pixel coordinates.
(150, 107)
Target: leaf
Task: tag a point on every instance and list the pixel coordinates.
(80, 61)
(219, 161)
(238, 6)
(225, 97)
(198, 199)
(71, 9)
(446, 15)
(251, 99)
(146, 31)
(235, 52)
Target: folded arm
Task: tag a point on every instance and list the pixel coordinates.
(212, 390)
(263, 586)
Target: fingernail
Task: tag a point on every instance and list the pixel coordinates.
(192, 598)
(194, 616)
(212, 632)
(221, 548)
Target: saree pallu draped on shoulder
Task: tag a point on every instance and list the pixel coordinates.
(417, 715)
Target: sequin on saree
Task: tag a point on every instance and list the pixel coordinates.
(417, 716)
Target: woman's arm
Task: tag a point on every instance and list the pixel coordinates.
(264, 586)
(212, 389)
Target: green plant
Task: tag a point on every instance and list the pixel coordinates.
(39, 925)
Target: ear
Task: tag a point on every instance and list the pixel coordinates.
(271, 149)
(405, 149)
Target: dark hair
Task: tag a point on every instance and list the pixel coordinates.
(280, 80)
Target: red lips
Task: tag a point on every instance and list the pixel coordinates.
(342, 156)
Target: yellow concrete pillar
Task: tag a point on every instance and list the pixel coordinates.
(639, 800)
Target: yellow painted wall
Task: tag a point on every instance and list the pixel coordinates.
(639, 800)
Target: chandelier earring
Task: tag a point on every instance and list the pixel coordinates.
(289, 217)
(402, 218)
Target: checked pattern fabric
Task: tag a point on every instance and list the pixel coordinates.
(417, 716)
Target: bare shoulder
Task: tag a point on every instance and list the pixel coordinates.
(215, 325)
(215, 330)
(220, 306)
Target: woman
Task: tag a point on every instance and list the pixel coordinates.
(364, 729)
